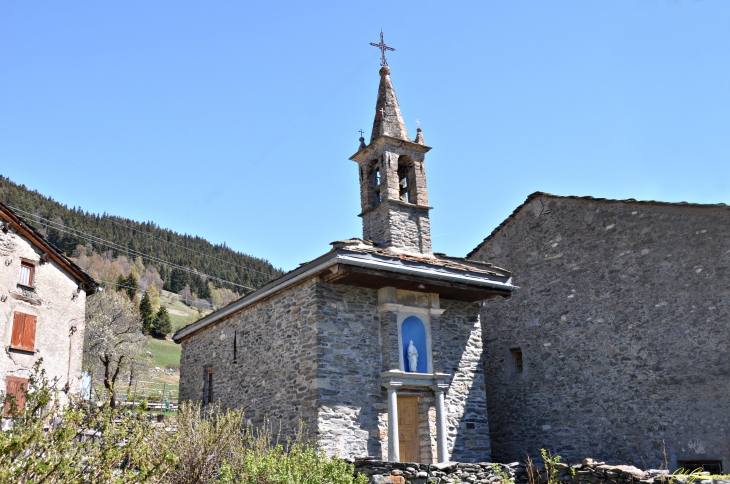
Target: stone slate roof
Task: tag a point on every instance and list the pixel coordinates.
(389, 121)
(27, 230)
(535, 195)
(438, 260)
(363, 253)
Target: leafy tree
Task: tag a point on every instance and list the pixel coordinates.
(113, 337)
(154, 297)
(131, 286)
(147, 312)
(162, 325)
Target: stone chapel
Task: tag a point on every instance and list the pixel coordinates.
(377, 344)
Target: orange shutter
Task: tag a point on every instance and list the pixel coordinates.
(29, 333)
(23, 337)
(16, 341)
(16, 387)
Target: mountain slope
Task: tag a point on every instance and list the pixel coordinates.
(61, 225)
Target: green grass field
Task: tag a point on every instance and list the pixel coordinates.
(166, 354)
(180, 314)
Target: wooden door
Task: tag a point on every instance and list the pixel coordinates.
(409, 443)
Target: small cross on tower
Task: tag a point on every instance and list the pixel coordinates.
(383, 48)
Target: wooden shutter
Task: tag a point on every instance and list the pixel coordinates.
(23, 337)
(16, 387)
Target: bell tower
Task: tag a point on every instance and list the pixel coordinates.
(392, 168)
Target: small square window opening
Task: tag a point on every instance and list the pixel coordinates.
(26, 274)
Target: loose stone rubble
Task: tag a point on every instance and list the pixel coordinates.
(380, 472)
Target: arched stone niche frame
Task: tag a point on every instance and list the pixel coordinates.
(424, 315)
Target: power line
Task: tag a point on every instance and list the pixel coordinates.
(112, 245)
(108, 218)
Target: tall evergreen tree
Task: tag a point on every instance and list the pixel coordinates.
(147, 312)
(121, 282)
(162, 325)
(131, 286)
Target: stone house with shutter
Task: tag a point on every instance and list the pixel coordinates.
(617, 345)
(42, 308)
(377, 344)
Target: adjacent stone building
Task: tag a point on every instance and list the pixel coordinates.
(617, 345)
(377, 344)
(42, 308)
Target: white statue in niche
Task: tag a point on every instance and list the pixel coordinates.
(412, 358)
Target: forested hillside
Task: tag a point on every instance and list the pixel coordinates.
(104, 240)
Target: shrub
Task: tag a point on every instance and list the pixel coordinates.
(76, 442)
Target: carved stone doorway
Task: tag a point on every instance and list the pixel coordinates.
(408, 441)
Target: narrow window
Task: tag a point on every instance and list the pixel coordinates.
(14, 395)
(208, 388)
(26, 274)
(23, 337)
(711, 466)
(517, 360)
(376, 184)
(403, 184)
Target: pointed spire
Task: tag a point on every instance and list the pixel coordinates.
(419, 137)
(388, 120)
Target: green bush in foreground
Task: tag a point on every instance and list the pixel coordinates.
(77, 443)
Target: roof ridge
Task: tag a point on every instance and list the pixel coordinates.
(538, 194)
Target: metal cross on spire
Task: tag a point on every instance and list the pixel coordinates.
(383, 48)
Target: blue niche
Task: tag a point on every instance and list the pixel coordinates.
(413, 328)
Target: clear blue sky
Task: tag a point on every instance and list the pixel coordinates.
(235, 120)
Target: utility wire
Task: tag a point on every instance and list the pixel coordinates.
(108, 218)
(112, 245)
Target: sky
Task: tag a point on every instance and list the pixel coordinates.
(235, 120)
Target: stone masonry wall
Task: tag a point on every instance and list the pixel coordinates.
(457, 336)
(353, 406)
(52, 301)
(398, 225)
(276, 369)
(350, 398)
(622, 317)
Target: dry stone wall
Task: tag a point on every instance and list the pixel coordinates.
(589, 472)
(622, 318)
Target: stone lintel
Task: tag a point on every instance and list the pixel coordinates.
(389, 307)
(412, 299)
(383, 140)
(419, 380)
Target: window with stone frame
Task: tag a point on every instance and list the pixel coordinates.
(27, 274)
(14, 395)
(517, 363)
(23, 335)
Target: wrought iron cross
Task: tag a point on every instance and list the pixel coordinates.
(419, 123)
(361, 131)
(383, 48)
